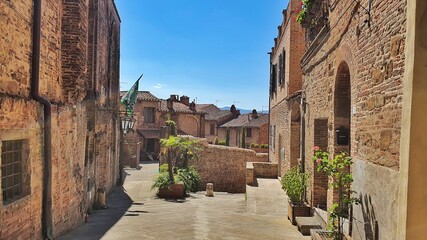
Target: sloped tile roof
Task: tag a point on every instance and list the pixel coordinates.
(217, 115)
(178, 107)
(143, 96)
(246, 120)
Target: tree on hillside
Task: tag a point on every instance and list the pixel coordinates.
(227, 137)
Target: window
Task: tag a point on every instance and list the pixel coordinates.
(249, 132)
(283, 67)
(212, 129)
(280, 77)
(149, 115)
(273, 76)
(14, 181)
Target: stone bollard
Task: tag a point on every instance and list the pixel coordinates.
(101, 198)
(209, 190)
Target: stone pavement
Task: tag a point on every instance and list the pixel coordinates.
(135, 213)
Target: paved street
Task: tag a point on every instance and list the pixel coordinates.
(135, 213)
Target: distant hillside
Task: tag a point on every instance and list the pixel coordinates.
(242, 111)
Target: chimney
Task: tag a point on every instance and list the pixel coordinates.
(169, 103)
(174, 98)
(234, 111)
(193, 106)
(254, 114)
(185, 100)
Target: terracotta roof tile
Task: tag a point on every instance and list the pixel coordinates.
(246, 120)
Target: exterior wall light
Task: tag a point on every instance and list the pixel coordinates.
(127, 123)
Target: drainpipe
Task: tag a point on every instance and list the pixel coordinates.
(302, 131)
(47, 106)
(302, 136)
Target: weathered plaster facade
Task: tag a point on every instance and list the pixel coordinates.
(83, 93)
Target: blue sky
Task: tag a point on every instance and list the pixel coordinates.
(212, 50)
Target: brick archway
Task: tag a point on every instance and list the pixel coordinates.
(342, 108)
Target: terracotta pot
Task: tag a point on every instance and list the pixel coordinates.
(175, 191)
(295, 210)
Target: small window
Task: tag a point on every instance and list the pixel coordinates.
(212, 129)
(149, 115)
(14, 178)
(249, 132)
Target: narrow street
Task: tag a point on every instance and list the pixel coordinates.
(135, 213)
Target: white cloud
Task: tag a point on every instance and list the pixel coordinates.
(159, 86)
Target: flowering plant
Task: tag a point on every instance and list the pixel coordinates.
(338, 169)
(305, 7)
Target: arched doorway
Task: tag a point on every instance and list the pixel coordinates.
(342, 108)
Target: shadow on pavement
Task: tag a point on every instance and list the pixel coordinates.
(100, 221)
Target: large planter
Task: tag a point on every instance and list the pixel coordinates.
(298, 210)
(175, 191)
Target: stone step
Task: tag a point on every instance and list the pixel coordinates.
(305, 224)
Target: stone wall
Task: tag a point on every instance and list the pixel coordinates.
(225, 167)
(373, 59)
(265, 169)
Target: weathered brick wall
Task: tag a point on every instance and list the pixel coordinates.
(84, 138)
(74, 47)
(68, 167)
(375, 56)
(279, 117)
(291, 41)
(19, 120)
(131, 147)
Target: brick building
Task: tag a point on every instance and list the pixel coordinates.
(215, 117)
(285, 90)
(255, 126)
(59, 86)
(188, 118)
(151, 114)
(352, 94)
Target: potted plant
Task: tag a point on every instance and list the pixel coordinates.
(177, 178)
(294, 183)
(167, 188)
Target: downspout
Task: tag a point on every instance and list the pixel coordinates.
(302, 136)
(302, 131)
(47, 106)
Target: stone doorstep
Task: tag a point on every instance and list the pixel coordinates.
(305, 224)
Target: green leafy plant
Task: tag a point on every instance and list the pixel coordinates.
(190, 177)
(306, 5)
(265, 146)
(294, 183)
(254, 145)
(338, 169)
(162, 180)
(179, 150)
(227, 137)
(216, 141)
(163, 168)
(221, 142)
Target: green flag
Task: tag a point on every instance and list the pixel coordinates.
(129, 99)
